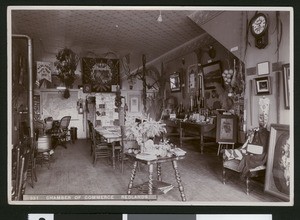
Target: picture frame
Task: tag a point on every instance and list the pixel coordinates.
(277, 180)
(175, 82)
(212, 74)
(134, 103)
(286, 85)
(263, 68)
(226, 128)
(262, 85)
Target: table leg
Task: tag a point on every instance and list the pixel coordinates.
(201, 143)
(178, 178)
(180, 136)
(113, 155)
(158, 171)
(133, 172)
(150, 184)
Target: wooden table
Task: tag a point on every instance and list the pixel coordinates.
(196, 131)
(151, 164)
(112, 134)
(191, 131)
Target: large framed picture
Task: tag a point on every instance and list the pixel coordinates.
(278, 173)
(226, 128)
(286, 85)
(262, 85)
(212, 75)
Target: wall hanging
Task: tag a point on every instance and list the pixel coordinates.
(100, 73)
(262, 85)
(263, 68)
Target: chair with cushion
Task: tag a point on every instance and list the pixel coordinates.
(100, 147)
(59, 134)
(250, 159)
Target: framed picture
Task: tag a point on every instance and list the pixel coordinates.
(286, 85)
(279, 171)
(263, 68)
(175, 83)
(212, 75)
(226, 128)
(262, 85)
(134, 103)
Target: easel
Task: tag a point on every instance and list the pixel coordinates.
(226, 141)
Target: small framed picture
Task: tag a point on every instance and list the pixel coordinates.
(263, 68)
(262, 85)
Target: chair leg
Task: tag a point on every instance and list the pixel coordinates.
(224, 176)
(122, 163)
(247, 185)
(218, 149)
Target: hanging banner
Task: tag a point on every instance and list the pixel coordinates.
(43, 70)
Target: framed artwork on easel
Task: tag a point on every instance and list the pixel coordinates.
(226, 128)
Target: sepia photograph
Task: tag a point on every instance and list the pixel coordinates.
(103, 108)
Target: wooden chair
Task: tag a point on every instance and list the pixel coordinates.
(90, 126)
(100, 148)
(126, 144)
(60, 135)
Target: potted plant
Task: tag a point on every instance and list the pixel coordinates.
(66, 65)
(143, 130)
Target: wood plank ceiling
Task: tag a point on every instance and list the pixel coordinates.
(100, 31)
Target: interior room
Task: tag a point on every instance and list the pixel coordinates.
(155, 105)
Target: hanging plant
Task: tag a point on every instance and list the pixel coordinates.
(66, 65)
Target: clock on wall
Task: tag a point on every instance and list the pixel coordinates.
(259, 29)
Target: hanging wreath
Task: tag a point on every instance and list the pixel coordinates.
(66, 65)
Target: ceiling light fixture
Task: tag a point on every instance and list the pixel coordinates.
(159, 19)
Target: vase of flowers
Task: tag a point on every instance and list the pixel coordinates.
(66, 64)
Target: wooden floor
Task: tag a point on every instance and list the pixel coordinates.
(71, 172)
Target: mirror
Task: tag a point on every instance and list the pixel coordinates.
(175, 82)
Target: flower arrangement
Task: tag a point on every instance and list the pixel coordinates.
(66, 65)
(143, 129)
